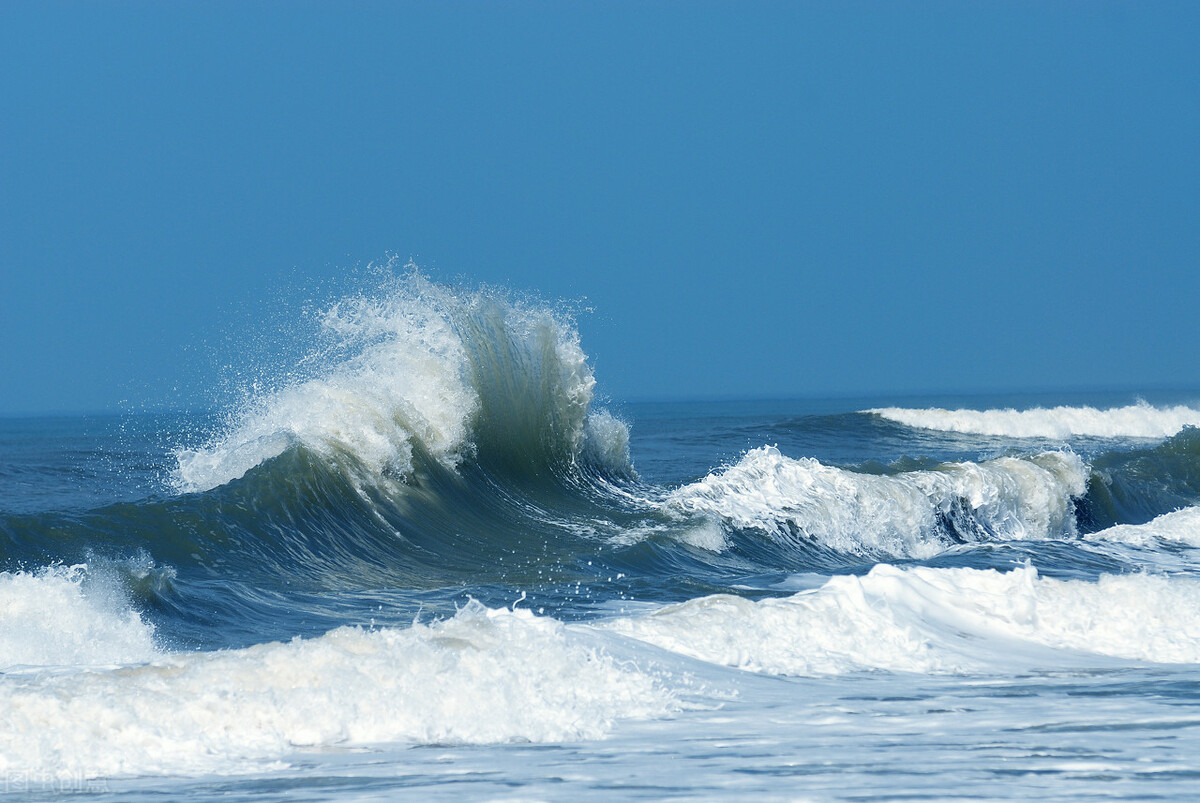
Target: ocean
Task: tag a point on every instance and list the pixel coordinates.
(426, 557)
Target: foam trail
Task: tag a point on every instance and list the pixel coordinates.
(1139, 420)
(903, 515)
(484, 676)
(931, 620)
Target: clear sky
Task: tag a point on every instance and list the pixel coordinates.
(757, 199)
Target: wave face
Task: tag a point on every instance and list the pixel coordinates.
(1059, 423)
(1132, 486)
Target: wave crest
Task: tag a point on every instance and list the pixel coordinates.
(1139, 420)
(913, 514)
(417, 371)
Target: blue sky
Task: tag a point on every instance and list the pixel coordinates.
(756, 199)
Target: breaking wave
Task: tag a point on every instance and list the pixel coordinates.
(415, 371)
(911, 514)
(1139, 420)
(1177, 527)
(934, 620)
(66, 616)
(484, 676)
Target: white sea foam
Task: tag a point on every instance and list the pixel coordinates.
(62, 616)
(901, 515)
(491, 676)
(417, 365)
(1139, 420)
(408, 378)
(483, 676)
(1180, 527)
(931, 620)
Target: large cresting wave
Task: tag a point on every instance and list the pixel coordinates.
(415, 372)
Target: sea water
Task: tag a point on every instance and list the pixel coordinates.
(425, 561)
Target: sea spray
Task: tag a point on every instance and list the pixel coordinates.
(416, 370)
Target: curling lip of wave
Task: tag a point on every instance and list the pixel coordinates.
(901, 515)
(1139, 420)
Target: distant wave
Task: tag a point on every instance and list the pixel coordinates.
(415, 370)
(933, 620)
(912, 514)
(1134, 421)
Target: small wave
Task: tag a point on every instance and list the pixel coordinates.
(1139, 420)
(929, 620)
(415, 370)
(913, 514)
(484, 676)
(67, 616)
(1177, 527)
